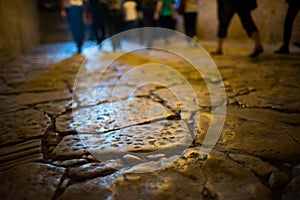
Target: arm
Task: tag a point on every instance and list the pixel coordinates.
(158, 8)
(62, 4)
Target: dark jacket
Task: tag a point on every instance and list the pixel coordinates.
(294, 2)
(238, 4)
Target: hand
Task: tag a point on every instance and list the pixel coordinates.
(63, 13)
(156, 16)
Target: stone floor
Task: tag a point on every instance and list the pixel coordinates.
(48, 153)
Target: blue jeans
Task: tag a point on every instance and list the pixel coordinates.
(74, 17)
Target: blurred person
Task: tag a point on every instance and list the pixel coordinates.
(148, 8)
(99, 12)
(164, 14)
(132, 13)
(115, 22)
(72, 10)
(226, 10)
(293, 9)
(190, 16)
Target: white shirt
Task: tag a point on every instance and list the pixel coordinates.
(130, 10)
(69, 3)
(190, 6)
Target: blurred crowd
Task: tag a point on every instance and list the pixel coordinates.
(110, 17)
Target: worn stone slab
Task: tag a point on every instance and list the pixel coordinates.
(94, 189)
(30, 181)
(279, 98)
(69, 147)
(255, 164)
(152, 73)
(69, 163)
(112, 116)
(193, 177)
(179, 97)
(264, 133)
(32, 98)
(55, 107)
(22, 125)
(229, 180)
(42, 83)
(292, 189)
(89, 171)
(25, 152)
(95, 95)
(163, 136)
(158, 185)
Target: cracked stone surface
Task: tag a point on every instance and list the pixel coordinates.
(155, 138)
(30, 181)
(57, 137)
(22, 125)
(111, 116)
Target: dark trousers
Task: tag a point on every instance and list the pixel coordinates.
(99, 15)
(167, 22)
(115, 26)
(74, 18)
(190, 24)
(148, 20)
(288, 24)
(225, 15)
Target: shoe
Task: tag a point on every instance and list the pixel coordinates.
(256, 52)
(216, 52)
(282, 50)
(297, 44)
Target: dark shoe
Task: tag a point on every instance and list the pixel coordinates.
(256, 52)
(297, 44)
(217, 52)
(282, 50)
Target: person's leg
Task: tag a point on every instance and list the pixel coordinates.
(189, 24)
(75, 21)
(224, 17)
(103, 15)
(186, 23)
(288, 27)
(193, 24)
(252, 31)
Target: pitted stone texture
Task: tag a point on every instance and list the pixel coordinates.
(229, 180)
(89, 171)
(112, 116)
(30, 181)
(94, 189)
(32, 98)
(255, 164)
(22, 125)
(69, 147)
(144, 138)
(162, 136)
(93, 96)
